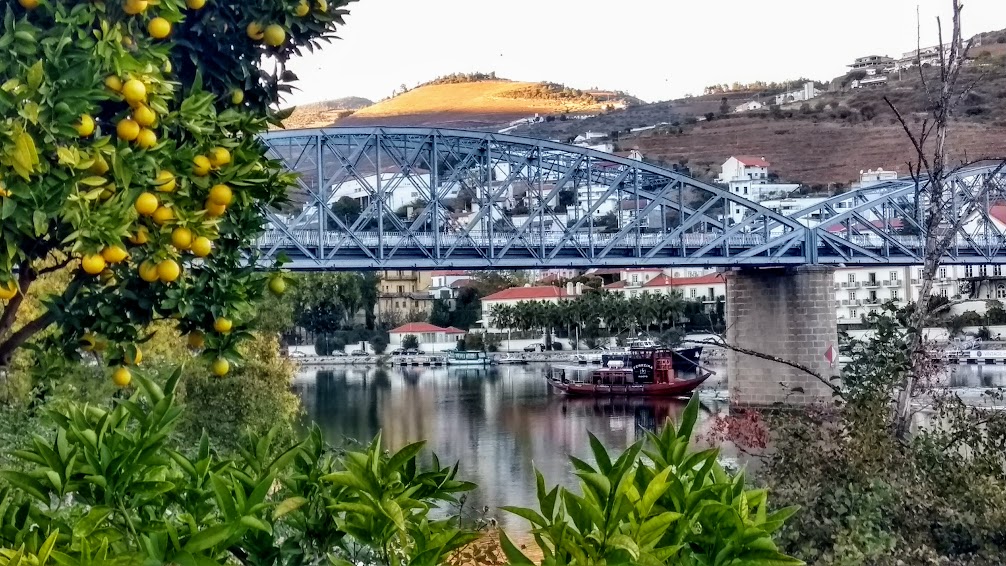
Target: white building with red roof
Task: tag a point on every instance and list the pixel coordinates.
(747, 176)
(707, 288)
(431, 338)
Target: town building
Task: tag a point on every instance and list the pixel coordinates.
(873, 64)
(870, 177)
(444, 284)
(431, 338)
(868, 82)
(707, 288)
(514, 295)
(404, 295)
(749, 106)
(806, 93)
(747, 176)
(925, 56)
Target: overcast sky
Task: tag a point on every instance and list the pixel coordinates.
(653, 49)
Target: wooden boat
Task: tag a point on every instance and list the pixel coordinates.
(683, 359)
(652, 376)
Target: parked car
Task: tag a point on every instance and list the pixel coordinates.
(534, 348)
(397, 351)
(359, 353)
(411, 352)
(297, 354)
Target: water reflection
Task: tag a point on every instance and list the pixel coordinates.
(977, 376)
(499, 422)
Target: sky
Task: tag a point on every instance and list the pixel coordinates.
(653, 49)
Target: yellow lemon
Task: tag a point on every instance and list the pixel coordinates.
(215, 210)
(168, 270)
(254, 31)
(302, 9)
(163, 215)
(237, 96)
(134, 92)
(165, 181)
(8, 291)
(277, 285)
(201, 166)
(322, 5)
(144, 116)
(146, 138)
(219, 156)
(127, 129)
(140, 237)
(181, 238)
(28, 4)
(121, 377)
(134, 7)
(113, 83)
(222, 325)
(196, 340)
(92, 264)
(159, 28)
(134, 360)
(114, 254)
(201, 246)
(85, 127)
(195, 4)
(221, 195)
(275, 35)
(148, 271)
(221, 367)
(146, 204)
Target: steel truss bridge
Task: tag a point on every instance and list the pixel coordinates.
(413, 198)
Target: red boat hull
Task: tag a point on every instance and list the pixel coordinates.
(675, 389)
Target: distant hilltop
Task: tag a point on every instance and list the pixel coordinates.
(324, 113)
(466, 100)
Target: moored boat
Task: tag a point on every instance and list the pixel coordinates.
(463, 358)
(653, 376)
(682, 359)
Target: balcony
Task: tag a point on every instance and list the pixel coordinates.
(871, 284)
(849, 284)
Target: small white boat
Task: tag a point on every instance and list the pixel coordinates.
(510, 360)
(459, 358)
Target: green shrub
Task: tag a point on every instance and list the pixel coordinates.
(660, 505)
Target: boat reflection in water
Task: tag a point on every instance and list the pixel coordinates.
(497, 421)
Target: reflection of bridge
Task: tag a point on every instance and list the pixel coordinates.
(421, 198)
(409, 198)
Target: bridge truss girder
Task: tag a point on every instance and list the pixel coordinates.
(482, 200)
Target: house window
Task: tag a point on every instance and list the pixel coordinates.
(983, 270)
(969, 271)
(853, 313)
(712, 294)
(396, 304)
(852, 295)
(872, 278)
(943, 275)
(873, 297)
(635, 279)
(691, 293)
(997, 270)
(1001, 291)
(401, 289)
(894, 276)
(852, 278)
(894, 295)
(943, 292)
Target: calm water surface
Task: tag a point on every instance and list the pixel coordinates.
(502, 422)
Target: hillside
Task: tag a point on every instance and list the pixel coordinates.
(480, 104)
(324, 113)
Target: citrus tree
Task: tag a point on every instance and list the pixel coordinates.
(129, 157)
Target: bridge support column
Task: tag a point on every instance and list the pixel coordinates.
(787, 313)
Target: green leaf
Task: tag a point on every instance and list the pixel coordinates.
(208, 538)
(625, 543)
(654, 528)
(404, 455)
(288, 505)
(529, 514)
(600, 454)
(513, 554)
(256, 523)
(27, 484)
(35, 75)
(654, 490)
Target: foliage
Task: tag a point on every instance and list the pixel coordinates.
(410, 342)
(256, 400)
(96, 111)
(869, 497)
(460, 78)
(327, 302)
(107, 488)
(379, 342)
(463, 315)
(658, 505)
(488, 282)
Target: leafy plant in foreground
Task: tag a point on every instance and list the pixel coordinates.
(671, 506)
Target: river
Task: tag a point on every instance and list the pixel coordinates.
(502, 422)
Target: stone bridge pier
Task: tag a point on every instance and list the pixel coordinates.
(788, 313)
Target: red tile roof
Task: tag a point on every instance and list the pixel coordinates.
(421, 327)
(615, 285)
(667, 281)
(998, 212)
(466, 282)
(751, 161)
(527, 293)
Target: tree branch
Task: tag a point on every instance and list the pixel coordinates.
(26, 332)
(724, 344)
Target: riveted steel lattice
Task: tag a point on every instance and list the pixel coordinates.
(377, 198)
